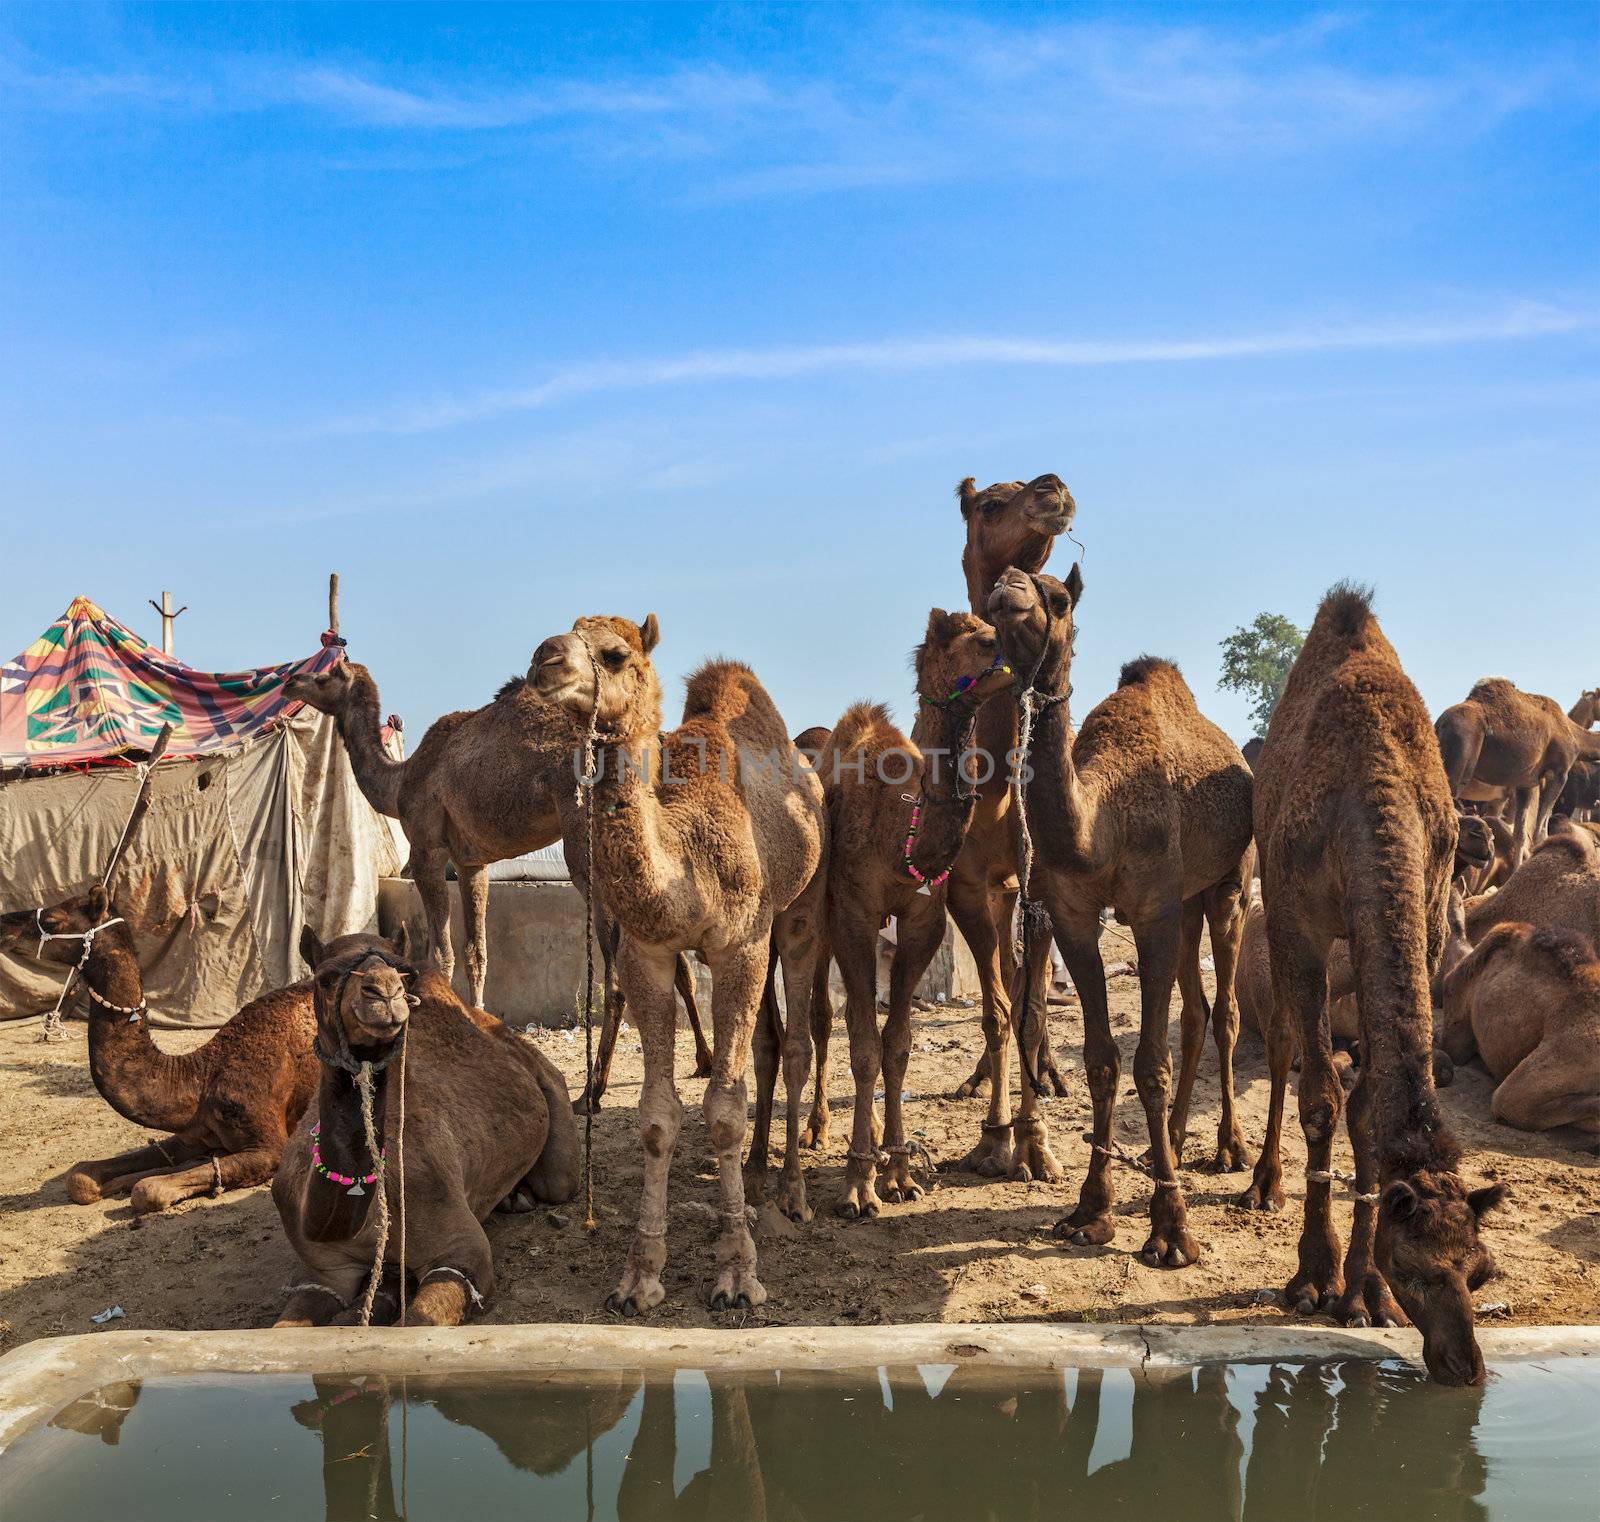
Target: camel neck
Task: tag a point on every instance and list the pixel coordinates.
(1058, 804)
(135, 1077)
(377, 773)
(943, 736)
(333, 1213)
(639, 861)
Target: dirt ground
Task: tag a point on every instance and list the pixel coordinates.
(969, 1250)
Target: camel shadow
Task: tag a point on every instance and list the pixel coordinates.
(55, 1080)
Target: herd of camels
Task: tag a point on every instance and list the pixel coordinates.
(1405, 867)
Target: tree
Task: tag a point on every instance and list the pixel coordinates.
(1257, 661)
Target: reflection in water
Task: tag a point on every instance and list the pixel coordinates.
(1252, 1441)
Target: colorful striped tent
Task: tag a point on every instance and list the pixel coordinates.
(256, 826)
(89, 689)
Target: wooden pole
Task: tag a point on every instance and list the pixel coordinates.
(168, 618)
(333, 601)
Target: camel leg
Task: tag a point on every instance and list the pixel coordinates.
(684, 980)
(614, 1007)
(1300, 992)
(1554, 1085)
(1266, 1184)
(111, 1176)
(737, 974)
(325, 1295)
(456, 1275)
(854, 942)
(919, 936)
(797, 933)
(558, 1174)
(1366, 1300)
(1031, 1158)
(972, 909)
(818, 1125)
(474, 885)
(647, 979)
(1524, 825)
(1079, 939)
(768, 1040)
(1225, 915)
(1171, 1244)
(1193, 1016)
(1000, 910)
(1550, 786)
(235, 1170)
(428, 868)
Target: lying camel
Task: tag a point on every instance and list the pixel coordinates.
(486, 1120)
(232, 1102)
(1528, 1003)
(483, 786)
(1558, 887)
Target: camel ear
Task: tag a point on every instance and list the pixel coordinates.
(401, 941)
(1074, 583)
(1484, 1200)
(99, 903)
(310, 947)
(966, 492)
(649, 633)
(938, 622)
(1399, 1201)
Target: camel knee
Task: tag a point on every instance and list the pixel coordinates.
(1152, 1070)
(1319, 1116)
(725, 1116)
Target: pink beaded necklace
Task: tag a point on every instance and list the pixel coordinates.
(352, 1185)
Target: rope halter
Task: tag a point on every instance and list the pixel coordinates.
(53, 1019)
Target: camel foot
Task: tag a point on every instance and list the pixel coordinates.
(1084, 1230)
(702, 1064)
(1232, 1155)
(791, 1197)
(1368, 1303)
(815, 1131)
(1056, 1083)
(860, 1202)
(975, 1081)
(587, 1103)
(1263, 1194)
(1031, 1158)
(637, 1293)
(737, 1289)
(1310, 1292)
(991, 1158)
(1174, 1248)
(81, 1189)
(518, 1202)
(152, 1195)
(895, 1183)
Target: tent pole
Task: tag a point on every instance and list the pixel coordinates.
(333, 602)
(168, 618)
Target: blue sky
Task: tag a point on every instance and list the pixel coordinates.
(511, 315)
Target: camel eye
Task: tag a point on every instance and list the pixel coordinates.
(614, 659)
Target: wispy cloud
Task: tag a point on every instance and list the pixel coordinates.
(1522, 321)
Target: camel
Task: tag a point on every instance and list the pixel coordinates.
(712, 838)
(482, 1119)
(1146, 810)
(1527, 1002)
(1009, 523)
(1585, 713)
(483, 786)
(1357, 834)
(1556, 888)
(1503, 739)
(231, 1103)
(898, 809)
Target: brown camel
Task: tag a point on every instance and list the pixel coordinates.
(1147, 811)
(1557, 888)
(1357, 836)
(712, 838)
(483, 786)
(898, 809)
(1528, 1003)
(232, 1102)
(1011, 523)
(1501, 739)
(480, 1118)
(1585, 713)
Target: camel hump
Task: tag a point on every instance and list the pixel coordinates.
(1154, 671)
(1565, 951)
(1487, 688)
(722, 690)
(862, 727)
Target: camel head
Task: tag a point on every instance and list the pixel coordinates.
(1032, 614)
(1586, 710)
(55, 933)
(1011, 523)
(362, 991)
(959, 663)
(1429, 1250)
(326, 691)
(603, 667)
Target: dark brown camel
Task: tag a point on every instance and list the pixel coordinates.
(232, 1102)
(1357, 835)
(483, 786)
(1011, 523)
(485, 1120)
(1147, 811)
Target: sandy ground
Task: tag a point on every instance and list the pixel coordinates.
(969, 1250)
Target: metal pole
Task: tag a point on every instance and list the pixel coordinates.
(168, 618)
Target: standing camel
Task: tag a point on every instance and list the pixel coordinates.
(483, 786)
(482, 1118)
(898, 810)
(1503, 740)
(1146, 811)
(1585, 713)
(1357, 835)
(712, 838)
(230, 1104)
(1011, 523)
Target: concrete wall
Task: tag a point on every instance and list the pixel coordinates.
(536, 951)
